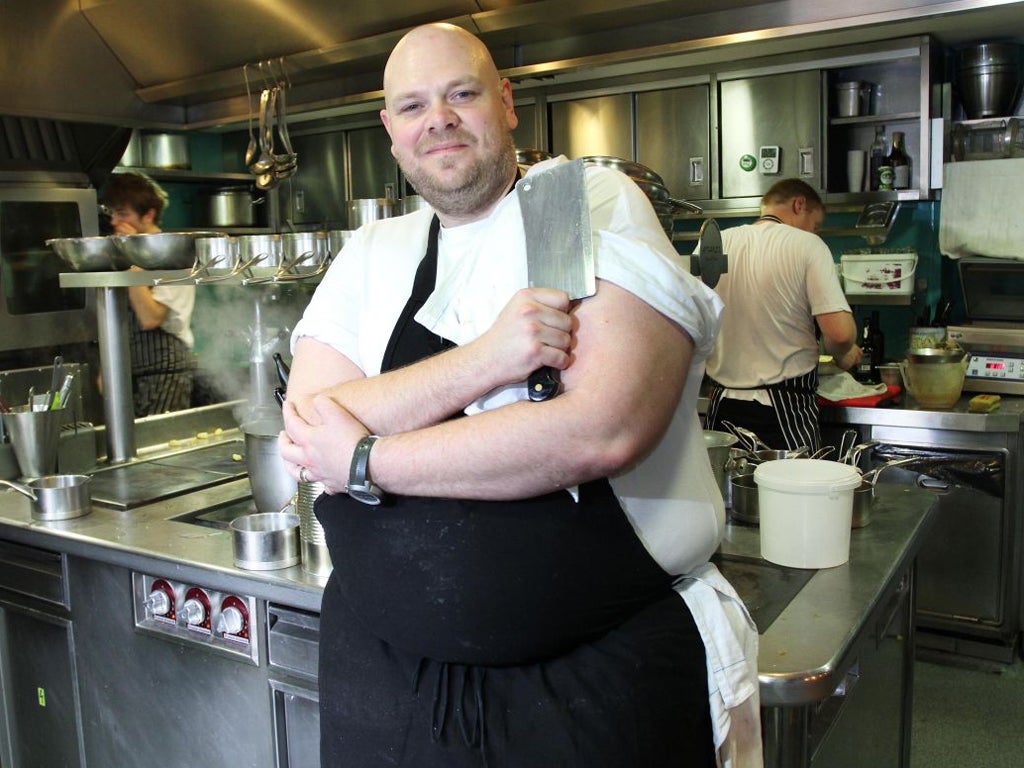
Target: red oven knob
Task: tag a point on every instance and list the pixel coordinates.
(234, 618)
(196, 609)
(160, 602)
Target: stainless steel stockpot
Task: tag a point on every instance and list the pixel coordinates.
(264, 248)
(216, 254)
(369, 209)
(231, 207)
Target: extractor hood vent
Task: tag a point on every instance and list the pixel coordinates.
(36, 149)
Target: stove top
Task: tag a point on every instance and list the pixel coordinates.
(220, 515)
(143, 482)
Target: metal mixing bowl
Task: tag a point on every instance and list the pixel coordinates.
(162, 250)
(89, 254)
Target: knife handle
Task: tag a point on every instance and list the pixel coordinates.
(544, 384)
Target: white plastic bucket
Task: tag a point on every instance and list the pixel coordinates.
(806, 510)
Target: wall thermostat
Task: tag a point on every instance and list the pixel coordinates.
(770, 159)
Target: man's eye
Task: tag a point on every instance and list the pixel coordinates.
(409, 108)
(463, 95)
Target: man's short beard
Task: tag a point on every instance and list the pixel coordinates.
(485, 183)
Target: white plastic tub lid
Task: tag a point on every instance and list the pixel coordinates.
(807, 476)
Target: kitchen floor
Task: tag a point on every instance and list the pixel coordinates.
(967, 717)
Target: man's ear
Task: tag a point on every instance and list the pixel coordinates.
(799, 204)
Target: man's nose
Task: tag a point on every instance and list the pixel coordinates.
(442, 116)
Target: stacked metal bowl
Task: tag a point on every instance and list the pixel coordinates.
(161, 250)
(89, 254)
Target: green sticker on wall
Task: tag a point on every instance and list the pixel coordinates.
(748, 162)
(41, 696)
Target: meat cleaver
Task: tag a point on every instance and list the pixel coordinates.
(559, 249)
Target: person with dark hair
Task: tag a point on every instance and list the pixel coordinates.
(506, 587)
(161, 339)
(781, 283)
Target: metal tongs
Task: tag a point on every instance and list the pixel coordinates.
(750, 440)
(872, 475)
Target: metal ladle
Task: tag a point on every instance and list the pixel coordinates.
(265, 162)
(250, 151)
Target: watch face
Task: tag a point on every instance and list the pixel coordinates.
(364, 494)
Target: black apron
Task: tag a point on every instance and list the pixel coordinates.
(792, 420)
(523, 633)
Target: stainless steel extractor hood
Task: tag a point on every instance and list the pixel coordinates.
(158, 64)
(39, 150)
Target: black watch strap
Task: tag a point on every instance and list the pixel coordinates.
(360, 486)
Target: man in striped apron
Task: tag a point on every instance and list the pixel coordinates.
(780, 290)
(161, 340)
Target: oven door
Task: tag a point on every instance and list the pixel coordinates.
(965, 568)
(34, 310)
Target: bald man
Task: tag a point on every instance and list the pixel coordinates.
(502, 592)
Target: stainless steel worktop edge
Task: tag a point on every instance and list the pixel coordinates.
(1007, 418)
(148, 540)
(805, 651)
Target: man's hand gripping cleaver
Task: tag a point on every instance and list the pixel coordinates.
(559, 249)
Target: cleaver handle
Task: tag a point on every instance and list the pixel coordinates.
(543, 384)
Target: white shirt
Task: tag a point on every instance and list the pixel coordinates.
(180, 301)
(671, 497)
(778, 278)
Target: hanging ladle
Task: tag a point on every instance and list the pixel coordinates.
(265, 162)
(250, 151)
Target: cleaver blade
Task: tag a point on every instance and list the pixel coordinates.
(559, 248)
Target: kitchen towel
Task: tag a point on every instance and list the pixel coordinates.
(842, 386)
(977, 218)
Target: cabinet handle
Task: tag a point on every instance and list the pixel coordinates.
(806, 161)
(696, 171)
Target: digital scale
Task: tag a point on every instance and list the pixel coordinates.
(994, 334)
(995, 357)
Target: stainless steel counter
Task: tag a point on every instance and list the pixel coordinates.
(797, 665)
(1007, 418)
(805, 651)
(150, 539)
(906, 413)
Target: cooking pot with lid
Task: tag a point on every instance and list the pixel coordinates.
(230, 207)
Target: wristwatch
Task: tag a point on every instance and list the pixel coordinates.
(360, 486)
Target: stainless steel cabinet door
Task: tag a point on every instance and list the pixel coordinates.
(374, 170)
(673, 138)
(601, 125)
(316, 193)
(771, 130)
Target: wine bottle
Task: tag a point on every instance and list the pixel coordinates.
(877, 156)
(877, 342)
(900, 162)
(866, 372)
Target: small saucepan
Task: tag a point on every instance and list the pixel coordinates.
(745, 504)
(56, 497)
